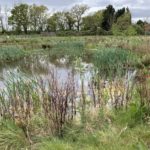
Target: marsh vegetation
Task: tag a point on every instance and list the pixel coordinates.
(74, 93)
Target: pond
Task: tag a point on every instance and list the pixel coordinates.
(86, 78)
(41, 66)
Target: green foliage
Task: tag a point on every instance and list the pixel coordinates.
(69, 20)
(116, 31)
(140, 23)
(20, 17)
(77, 13)
(52, 23)
(35, 19)
(123, 25)
(139, 29)
(38, 17)
(12, 137)
(131, 31)
(119, 13)
(108, 17)
(111, 61)
(68, 49)
(93, 23)
(9, 54)
(54, 144)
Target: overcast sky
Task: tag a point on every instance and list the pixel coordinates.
(139, 8)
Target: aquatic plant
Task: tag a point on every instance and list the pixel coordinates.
(112, 62)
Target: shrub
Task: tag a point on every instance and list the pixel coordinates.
(131, 31)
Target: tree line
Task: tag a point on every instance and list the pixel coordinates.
(24, 18)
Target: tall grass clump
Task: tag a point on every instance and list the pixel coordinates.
(70, 49)
(12, 137)
(113, 61)
(9, 54)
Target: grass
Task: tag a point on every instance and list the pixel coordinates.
(67, 49)
(9, 54)
(110, 135)
(12, 137)
(114, 61)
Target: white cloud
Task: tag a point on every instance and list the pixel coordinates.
(139, 8)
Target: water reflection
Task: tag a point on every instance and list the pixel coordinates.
(41, 66)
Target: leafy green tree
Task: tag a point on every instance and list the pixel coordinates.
(93, 22)
(70, 21)
(77, 13)
(61, 24)
(38, 17)
(140, 23)
(123, 23)
(119, 13)
(57, 22)
(19, 18)
(88, 23)
(108, 18)
(52, 23)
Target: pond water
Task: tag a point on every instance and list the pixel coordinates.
(41, 66)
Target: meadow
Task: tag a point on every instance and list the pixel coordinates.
(74, 93)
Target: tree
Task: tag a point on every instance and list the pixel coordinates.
(119, 13)
(140, 23)
(123, 24)
(52, 23)
(61, 24)
(93, 22)
(108, 17)
(77, 12)
(70, 21)
(88, 23)
(20, 17)
(38, 17)
(57, 22)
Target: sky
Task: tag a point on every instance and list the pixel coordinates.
(140, 9)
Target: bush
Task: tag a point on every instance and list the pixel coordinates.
(139, 29)
(131, 31)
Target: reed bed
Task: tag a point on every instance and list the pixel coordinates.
(46, 113)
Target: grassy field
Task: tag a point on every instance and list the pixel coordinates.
(39, 116)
